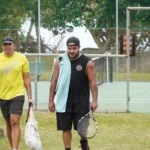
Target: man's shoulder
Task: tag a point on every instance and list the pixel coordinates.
(1, 54)
(21, 55)
(86, 57)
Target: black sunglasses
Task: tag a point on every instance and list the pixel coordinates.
(5, 44)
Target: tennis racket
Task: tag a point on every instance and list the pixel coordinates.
(30, 103)
(87, 126)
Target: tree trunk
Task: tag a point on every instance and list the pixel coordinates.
(28, 35)
(105, 40)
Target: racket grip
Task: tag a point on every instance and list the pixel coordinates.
(30, 103)
(26, 120)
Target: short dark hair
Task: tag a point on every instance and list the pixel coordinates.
(73, 41)
(8, 39)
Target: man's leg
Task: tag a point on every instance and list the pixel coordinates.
(67, 136)
(12, 110)
(16, 109)
(5, 106)
(83, 142)
(15, 128)
(9, 130)
(64, 123)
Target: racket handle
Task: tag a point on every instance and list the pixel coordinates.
(26, 119)
(30, 103)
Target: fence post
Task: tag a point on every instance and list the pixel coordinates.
(36, 81)
(110, 69)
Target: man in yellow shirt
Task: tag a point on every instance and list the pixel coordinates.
(14, 79)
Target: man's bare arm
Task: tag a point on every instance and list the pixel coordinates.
(91, 73)
(27, 83)
(53, 86)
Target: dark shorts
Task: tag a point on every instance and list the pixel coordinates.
(13, 106)
(65, 120)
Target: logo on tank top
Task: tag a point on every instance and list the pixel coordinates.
(79, 68)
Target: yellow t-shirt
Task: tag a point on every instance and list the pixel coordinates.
(11, 77)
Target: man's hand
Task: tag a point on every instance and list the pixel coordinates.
(93, 106)
(51, 107)
(30, 102)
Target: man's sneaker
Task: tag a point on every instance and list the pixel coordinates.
(84, 145)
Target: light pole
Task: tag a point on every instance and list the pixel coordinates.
(39, 40)
(117, 39)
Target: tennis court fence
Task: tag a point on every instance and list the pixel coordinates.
(41, 66)
(116, 93)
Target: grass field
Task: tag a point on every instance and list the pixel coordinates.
(117, 131)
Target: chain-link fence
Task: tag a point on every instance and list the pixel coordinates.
(105, 65)
(108, 74)
(109, 69)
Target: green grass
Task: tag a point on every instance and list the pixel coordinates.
(117, 131)
(134, 76)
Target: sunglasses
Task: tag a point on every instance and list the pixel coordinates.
(5, 44)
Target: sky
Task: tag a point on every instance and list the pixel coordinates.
(86, 39)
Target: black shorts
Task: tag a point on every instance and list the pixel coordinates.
(65, 120)
(13, 106)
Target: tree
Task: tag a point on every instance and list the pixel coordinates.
(12, 14)
(12, 17)
(99, 16)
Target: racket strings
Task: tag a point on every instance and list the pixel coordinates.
(87, 127)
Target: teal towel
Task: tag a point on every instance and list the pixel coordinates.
(62, 87)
